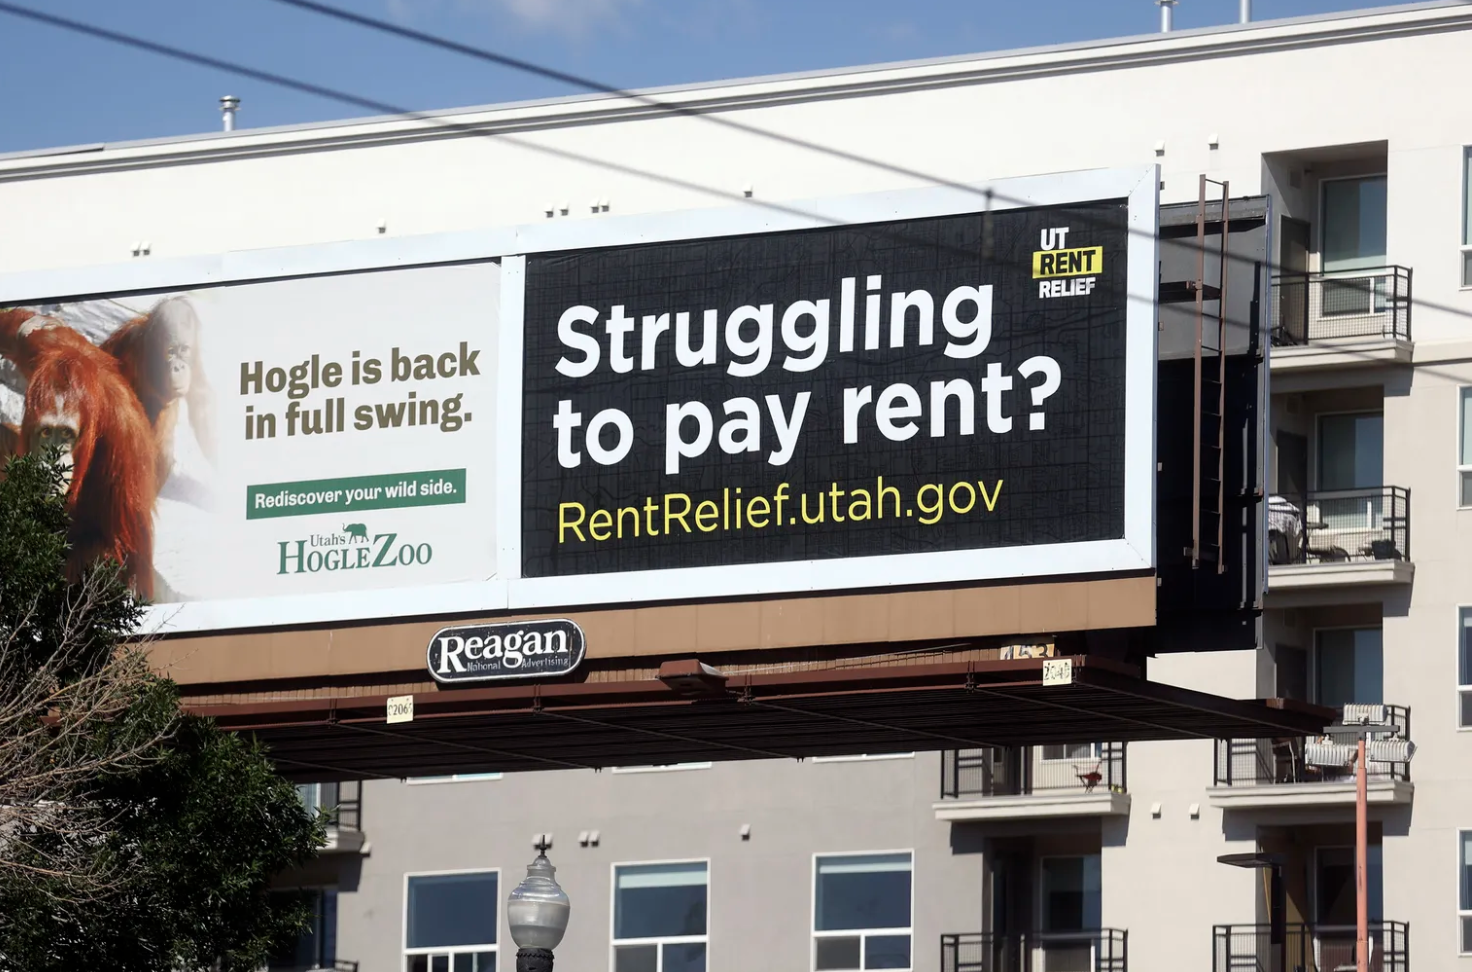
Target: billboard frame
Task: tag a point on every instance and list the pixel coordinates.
(506, 590)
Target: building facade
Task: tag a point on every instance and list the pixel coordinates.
(1087, 856)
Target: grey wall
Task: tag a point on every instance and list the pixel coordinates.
(760, 889)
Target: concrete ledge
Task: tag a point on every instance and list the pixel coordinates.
(344, 841)
(1348, 573)
(1100, 803)
(1340, 793)
(1341, 353)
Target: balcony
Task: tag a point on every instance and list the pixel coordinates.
(1031, 782)
(1339, 538)
(1341, 320)
(1308, 948)
(343, 804)
(1263, 774)
(1088, 950)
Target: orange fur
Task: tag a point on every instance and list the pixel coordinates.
(113, 482)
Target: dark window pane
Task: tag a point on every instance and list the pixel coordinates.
(417, 963)
(1467, 709)
(1071, 898)
(464, 962)
(1464, 668)
(659, 901)
(1351, 452)
(1350, 667)
(1335, 891)
(870, 891)
(439, 963)
(452, 909)
(636, 958)
(1465, 904)
(1354, 225)
(688, 957)
(485, 962)
(887, 952)
(837, 954)
(1467, 935)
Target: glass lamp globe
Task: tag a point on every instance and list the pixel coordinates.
(538, 908)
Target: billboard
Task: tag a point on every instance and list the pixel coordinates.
(261, 440)
(888, 388)
(926, 386)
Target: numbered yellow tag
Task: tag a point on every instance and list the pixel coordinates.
(400, 709)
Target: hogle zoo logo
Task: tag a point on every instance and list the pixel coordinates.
(351, 548)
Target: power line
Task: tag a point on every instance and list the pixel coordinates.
(437, 121)
(685, 111)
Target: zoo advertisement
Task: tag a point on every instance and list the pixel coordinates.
(950, 383)
(303, 436)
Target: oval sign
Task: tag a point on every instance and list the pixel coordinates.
(506, 650)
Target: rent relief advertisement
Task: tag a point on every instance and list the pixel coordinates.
(951, 383)
(304, 436)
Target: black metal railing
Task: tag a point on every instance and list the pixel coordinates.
(1083, 768)
(1086, 950)
(1373, 302)
(1308, 948)
(1340, 525)
(342, 802)
(1256, 762)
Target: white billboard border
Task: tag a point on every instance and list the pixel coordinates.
(506, 589)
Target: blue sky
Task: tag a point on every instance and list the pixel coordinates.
(57, 88)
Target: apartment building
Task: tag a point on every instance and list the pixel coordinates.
(1090, 856)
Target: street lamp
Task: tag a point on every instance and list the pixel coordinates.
(1277, 897)
(1362, 722)
(537, 912)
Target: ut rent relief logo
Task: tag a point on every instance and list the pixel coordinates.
(1064, 272)
(351, 548)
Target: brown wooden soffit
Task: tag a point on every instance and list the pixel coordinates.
(692, 714)
(998, 610)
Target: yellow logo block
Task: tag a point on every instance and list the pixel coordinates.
(1077, 262)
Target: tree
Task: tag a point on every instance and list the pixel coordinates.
(132, 836)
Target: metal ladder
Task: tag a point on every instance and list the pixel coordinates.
(1208, 478)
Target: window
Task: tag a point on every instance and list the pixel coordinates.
(316, 947)
(450, 921)
(660, 917)
(1070, 751)
(862, 911)
(1464, 670)
(1467, 218)
(661, 768)
(1348, 667)
(860, 757)
(1354, 223)
(1351, 451)
(1464, 887)
(1334, 894)
(455, 778)
(1464, 447)
(1071, 893)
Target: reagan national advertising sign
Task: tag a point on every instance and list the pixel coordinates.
(921, 387)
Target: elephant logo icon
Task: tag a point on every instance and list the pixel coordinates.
(356, 531)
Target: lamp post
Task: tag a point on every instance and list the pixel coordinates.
(537, 912)
(1277, 898)
(1361, 722)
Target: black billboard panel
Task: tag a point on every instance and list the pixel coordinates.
(949, 383)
